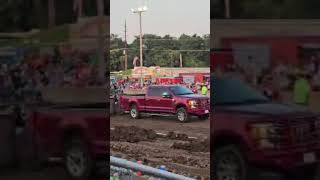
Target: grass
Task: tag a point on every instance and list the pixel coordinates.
(47, 36)
(127, 72)
(54, 35)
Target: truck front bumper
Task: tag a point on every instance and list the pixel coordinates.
(100, 148)
(101, 153)
(198, 112)
(286, 159)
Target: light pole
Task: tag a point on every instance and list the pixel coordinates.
(139, 11)
(101, 40)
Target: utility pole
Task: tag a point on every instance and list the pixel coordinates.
(126, 47)
(171, 55)
(51, 13)
(227, 9)
(141, 49)
(181, 64)
(78, 7)
(101, 51)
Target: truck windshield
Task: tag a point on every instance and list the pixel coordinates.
(227, 91)
(180, 90)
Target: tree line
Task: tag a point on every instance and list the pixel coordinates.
(273, 9)
(162, 51)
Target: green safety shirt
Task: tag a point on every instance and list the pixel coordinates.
(301, 91)
(114, 178)
(204, 90)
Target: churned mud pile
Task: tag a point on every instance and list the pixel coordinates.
(132, 134)
(193, 146)
(177, 136)
(182, 148)
(156, 153)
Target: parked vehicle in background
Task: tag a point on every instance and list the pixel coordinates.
(75, 133)
(251, 135)
(166, 100)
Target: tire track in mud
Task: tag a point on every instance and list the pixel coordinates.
(180, 153)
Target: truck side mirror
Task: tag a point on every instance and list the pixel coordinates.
(166, 95)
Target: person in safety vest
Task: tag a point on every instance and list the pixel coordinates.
(204, 90)
(301, 92)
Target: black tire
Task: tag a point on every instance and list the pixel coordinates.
(203, 117)
(182, 115)
(232, 158)
(77, 159)
(134, 112)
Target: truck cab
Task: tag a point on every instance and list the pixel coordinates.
(167, 100)
(251, 135)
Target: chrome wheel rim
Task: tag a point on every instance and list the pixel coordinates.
(76, 163)
(227, 168)
(133, 113)
(181, 116)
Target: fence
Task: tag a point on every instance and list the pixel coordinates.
(126, 170)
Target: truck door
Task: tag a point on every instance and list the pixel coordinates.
(165, 103)
(152, 99)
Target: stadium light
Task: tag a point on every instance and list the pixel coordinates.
(139, 11)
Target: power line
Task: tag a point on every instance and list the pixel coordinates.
(178, 50)
(174, 39)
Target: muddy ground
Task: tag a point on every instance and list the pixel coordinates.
(183, 147)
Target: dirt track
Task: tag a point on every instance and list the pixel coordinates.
(164, 141)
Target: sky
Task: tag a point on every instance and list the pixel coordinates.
(173, 17)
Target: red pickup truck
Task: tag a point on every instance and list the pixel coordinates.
(251, 135)
(167, 100)
(75, 135)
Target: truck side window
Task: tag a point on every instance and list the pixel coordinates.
(156, 91)
(153, 91)
(163, 90)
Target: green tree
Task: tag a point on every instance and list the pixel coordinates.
(116, 52)
(164, 50)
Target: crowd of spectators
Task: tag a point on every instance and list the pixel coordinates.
(278, 78)
(65, 67)
(120, 85)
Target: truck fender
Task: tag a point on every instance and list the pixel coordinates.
(224, 138)
(179, 106)
(133, 103)
(72, 131)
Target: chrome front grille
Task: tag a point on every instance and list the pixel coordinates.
(305, 131)
(205, 104)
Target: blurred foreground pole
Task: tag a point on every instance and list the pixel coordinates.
(101, 41)
(227, 8)
(51, 13)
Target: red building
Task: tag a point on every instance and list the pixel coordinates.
(270, 50)
(198, 77)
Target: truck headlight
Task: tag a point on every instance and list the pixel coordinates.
(192, 103)
(265, 135)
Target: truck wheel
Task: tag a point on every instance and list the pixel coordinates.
(77, 159)
(134, 112)
(182, 115)
(229, 163)
(204, 117)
